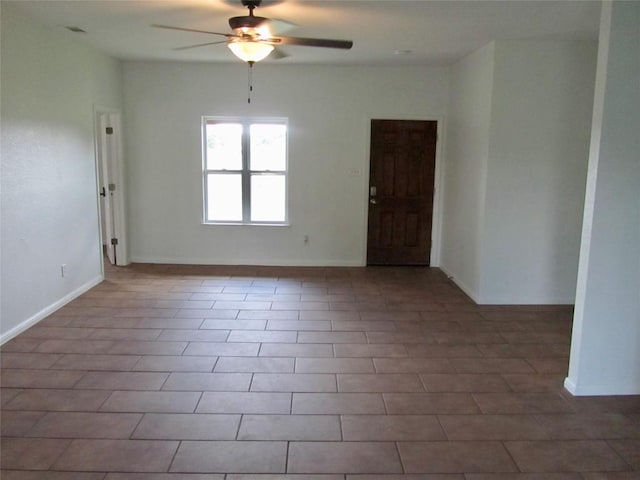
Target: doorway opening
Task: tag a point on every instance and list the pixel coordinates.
(111, 195)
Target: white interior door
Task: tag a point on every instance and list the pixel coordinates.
(107, 185)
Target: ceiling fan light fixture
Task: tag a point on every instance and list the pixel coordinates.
(249, 50)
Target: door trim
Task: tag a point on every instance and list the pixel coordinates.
(436, 225)
(120, 231)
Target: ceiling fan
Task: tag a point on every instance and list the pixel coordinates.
(254, 38)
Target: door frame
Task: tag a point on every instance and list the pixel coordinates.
(117, 170)
(436, 225)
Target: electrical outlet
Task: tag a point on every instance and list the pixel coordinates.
(63, 270)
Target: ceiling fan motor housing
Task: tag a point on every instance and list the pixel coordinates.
(248, 21)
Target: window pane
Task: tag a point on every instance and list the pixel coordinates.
(267, 198)
(268, 146)
(224, 202)
(224, 146)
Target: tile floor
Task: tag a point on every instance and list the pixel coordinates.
(238, 373)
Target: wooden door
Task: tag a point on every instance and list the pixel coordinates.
(401, 180)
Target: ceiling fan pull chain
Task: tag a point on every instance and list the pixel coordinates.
(250, 85)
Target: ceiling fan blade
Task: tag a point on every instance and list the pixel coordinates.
(276, 26)
(199, 45)
(228, 35)
(311, 42)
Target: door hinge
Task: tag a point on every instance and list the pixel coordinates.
(114, 241)
(109, 130)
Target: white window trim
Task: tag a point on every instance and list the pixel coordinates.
(245, 172)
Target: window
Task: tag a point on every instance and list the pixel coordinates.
(245, 171)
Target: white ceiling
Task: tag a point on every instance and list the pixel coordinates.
(436, 32)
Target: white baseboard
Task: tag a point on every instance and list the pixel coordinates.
(29, 322)
(469, 292)
(601, 390)
(244, 261)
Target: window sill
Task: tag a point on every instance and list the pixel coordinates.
(244, 224)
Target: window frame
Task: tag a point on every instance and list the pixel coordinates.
(246, 173)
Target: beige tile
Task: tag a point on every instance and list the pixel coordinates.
(464, 382)
(343, 457)
(293, 382)
(234, 324)
(290, 427)
(521, 403)
(49, 475)
(171, 323)
(426, 476)
(85, 425)
(491, 365)
(223, 349)
(18, 424)
(296, 350)
(379, 383)
(268, 315)
(245, 402)
(122, 381)
(525, 476)
(232, 476)
(148, 348)
(455, 457)
(21, 344)
(593, 426)
(57, 332)
(231, 457)
(628, 449)
(23, 378)
(117, 455)
(362, 326)
(443, 351)
(74, 346)
(208, 381)
(162, 363)
(182, 426)
(535, 382)
(370, 350)
(405, 338)
(299, 325)
(334, 365)
(30, 453)
(565, 456)
(128, 401)
(255, 364)
(57, 400)
(185, 335)
(492, 427)
(332, 337)
(337, 403)
(163, 476)
(429, 403)
(142, 334)
(73, 361)
(28, 360)
(413, 365)
(391, 428)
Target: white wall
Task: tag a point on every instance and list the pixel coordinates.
(465, 169)
(515, 170)
(605, 349)
(49, 205)
(539, 147)
(328, 108)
